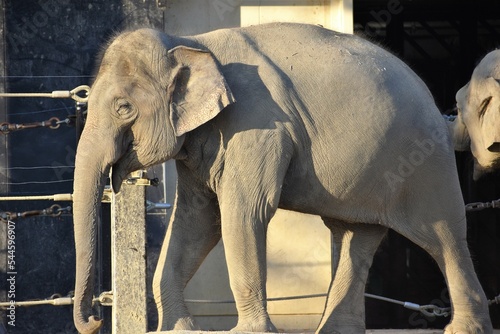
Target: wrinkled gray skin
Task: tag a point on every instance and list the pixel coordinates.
(477, 126)
(279, 115)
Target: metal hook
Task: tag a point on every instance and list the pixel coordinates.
(74, 93)
(435, 311)
(53, 123)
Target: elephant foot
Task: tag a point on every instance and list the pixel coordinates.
(469, 326)
(342, 330)
(343, 323)
(186, 324)
(255, 325)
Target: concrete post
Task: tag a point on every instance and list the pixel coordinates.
(341, 16)
(128, 263)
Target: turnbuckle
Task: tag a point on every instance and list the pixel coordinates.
(52, 123)
(53, 211)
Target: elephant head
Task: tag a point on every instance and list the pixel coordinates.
(478, 104)
(144, 100)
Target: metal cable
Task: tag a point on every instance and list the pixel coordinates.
(40, 111)
(57, 94)
(105, 299)
(37, 167)
(52, 123)
(43, 76)
(56, 197)
(53, 211)
(34, 182)
(428, 310)
(274, 299)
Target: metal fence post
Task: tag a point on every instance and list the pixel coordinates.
(128, 263)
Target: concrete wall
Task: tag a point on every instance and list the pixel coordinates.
(299, 248)
(193, 17)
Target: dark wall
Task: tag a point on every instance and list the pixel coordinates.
(50, 45)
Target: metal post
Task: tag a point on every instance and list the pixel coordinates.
(128, 263)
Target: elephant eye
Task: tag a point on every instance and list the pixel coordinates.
(123, 108)
(484, 106)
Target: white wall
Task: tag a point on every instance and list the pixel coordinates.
(187, 17)
(299, 249)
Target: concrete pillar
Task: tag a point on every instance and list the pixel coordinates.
(341, 17)
(128, 263)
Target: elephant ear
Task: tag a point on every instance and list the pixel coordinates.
(197, 90)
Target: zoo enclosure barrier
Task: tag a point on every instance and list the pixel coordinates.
(128, 311)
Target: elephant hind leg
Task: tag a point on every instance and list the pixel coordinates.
(438, 225)
(193, 231)
(355, 245)
(179, 259)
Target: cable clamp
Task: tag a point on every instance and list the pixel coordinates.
(105, 298)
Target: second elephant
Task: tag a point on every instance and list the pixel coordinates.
(477, 126)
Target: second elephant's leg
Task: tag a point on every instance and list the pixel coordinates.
(355, 245)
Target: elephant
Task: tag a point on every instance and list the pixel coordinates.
(476, 127)
(272, 116)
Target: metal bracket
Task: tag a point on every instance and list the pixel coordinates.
(105, 298)
(157, 206)
(139, 178)
(107, 195)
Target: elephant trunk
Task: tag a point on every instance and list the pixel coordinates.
(91, 170)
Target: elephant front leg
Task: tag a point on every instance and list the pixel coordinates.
(244, 239)
(249, 194)
(192, 232)
(355, 245)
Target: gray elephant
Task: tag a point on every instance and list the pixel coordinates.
(477, 126)
(280, 115)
